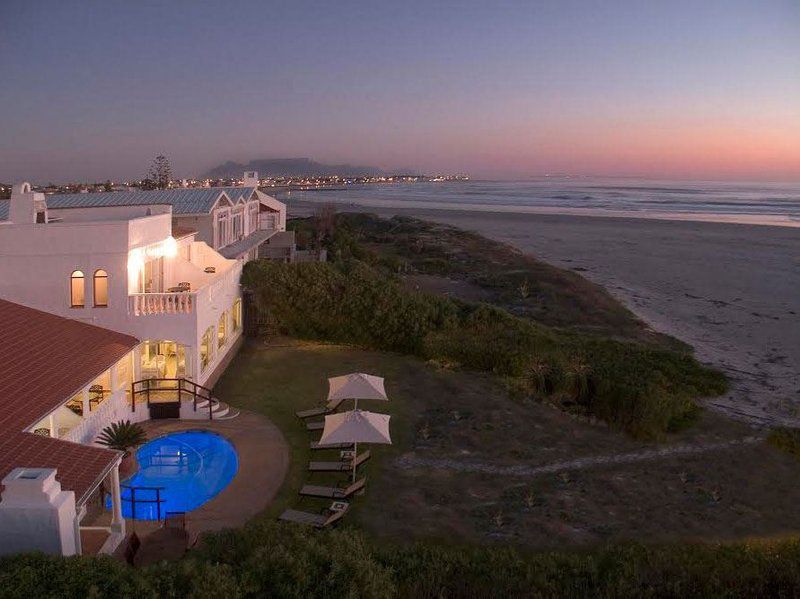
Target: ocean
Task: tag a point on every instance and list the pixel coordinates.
(753, 203)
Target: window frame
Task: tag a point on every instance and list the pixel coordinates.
(95, 278)
(73, 279)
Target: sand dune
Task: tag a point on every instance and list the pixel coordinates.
(731, 291)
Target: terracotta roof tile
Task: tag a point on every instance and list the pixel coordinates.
(44, 360)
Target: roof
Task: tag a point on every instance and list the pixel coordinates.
(178, 231)
(44, 360)
(184, 200)
(245, 244)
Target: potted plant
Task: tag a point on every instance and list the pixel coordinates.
(123, 436)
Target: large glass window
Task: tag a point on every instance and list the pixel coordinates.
(222, 329)
(206, 347)
(77, 289)
(100, 288)
(237, 315)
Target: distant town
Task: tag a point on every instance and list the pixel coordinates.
(277, 183)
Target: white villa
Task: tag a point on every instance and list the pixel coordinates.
(125, 306)
(163, 266)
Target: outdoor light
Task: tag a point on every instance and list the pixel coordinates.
(135, 261)
(170, 247)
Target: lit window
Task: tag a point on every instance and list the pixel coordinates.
(206, 347)
(100, 288)
(76, 289)
(221, 329)
(237, 315)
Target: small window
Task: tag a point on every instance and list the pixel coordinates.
(76, 289)
(100, 288)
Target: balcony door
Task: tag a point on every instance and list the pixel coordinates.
(152, 276)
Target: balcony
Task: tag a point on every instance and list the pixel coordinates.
(181, 302)
(187, 284)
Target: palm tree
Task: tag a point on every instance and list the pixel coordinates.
(122, 436)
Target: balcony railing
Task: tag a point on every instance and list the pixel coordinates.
(181, 302)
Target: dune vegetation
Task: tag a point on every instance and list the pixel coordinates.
(634, 381)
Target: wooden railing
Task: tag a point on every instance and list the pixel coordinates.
(141, 304)
(180, 390)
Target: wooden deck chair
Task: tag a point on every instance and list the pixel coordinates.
(316, 445)
(322, 520)
(320, 411)
(333, 492)
(341, 466)
(315, 426)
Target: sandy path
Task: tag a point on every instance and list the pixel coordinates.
(409, 461)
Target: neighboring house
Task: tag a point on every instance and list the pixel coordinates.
(235, 221)
(51, 373)
(129, 268)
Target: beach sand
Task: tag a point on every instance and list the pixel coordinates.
(732, 291)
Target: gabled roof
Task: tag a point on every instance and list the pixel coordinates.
(44, 360)
(184, 200)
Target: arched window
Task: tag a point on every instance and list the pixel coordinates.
(100, 288)
(76, 289)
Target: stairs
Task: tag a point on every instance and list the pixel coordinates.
(219, 409)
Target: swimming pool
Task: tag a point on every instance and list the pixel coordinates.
(189, 468)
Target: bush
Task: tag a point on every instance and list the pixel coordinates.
(273, 559)
(638, 388)
(786, 439)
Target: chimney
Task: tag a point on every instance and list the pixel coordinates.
(250, 179)
(36, 514)
(27, 207)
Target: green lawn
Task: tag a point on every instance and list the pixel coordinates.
(468, 417)
(288, 376)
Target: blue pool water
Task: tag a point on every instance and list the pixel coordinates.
(191, 467)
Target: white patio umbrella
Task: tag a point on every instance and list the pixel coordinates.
(356, 385)
(356, 426)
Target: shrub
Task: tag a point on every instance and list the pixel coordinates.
(122, 436)
(642, 389)
(273, 559)
(786, 439)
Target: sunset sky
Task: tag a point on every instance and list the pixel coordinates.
(672, 89)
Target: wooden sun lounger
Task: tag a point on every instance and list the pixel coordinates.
(342, 466)
(322, 520)
(320, 411)
(333, 492)
(316, 445)
(315, 426)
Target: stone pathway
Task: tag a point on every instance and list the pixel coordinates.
(408, 461)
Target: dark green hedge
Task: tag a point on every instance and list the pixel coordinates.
(273, 559)
(641, 389)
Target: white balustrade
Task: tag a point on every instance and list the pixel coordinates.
(114, 408)
(142, 304)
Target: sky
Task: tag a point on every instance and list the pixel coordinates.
(661, 89)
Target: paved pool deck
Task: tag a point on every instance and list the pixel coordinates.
(263, 464)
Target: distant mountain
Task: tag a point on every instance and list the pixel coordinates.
(288, 167)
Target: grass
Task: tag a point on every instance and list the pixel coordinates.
(468, 417)
(786, 440)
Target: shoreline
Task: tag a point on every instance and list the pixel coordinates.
(770, 220)
(727, 289)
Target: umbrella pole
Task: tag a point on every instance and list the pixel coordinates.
(355, 455)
